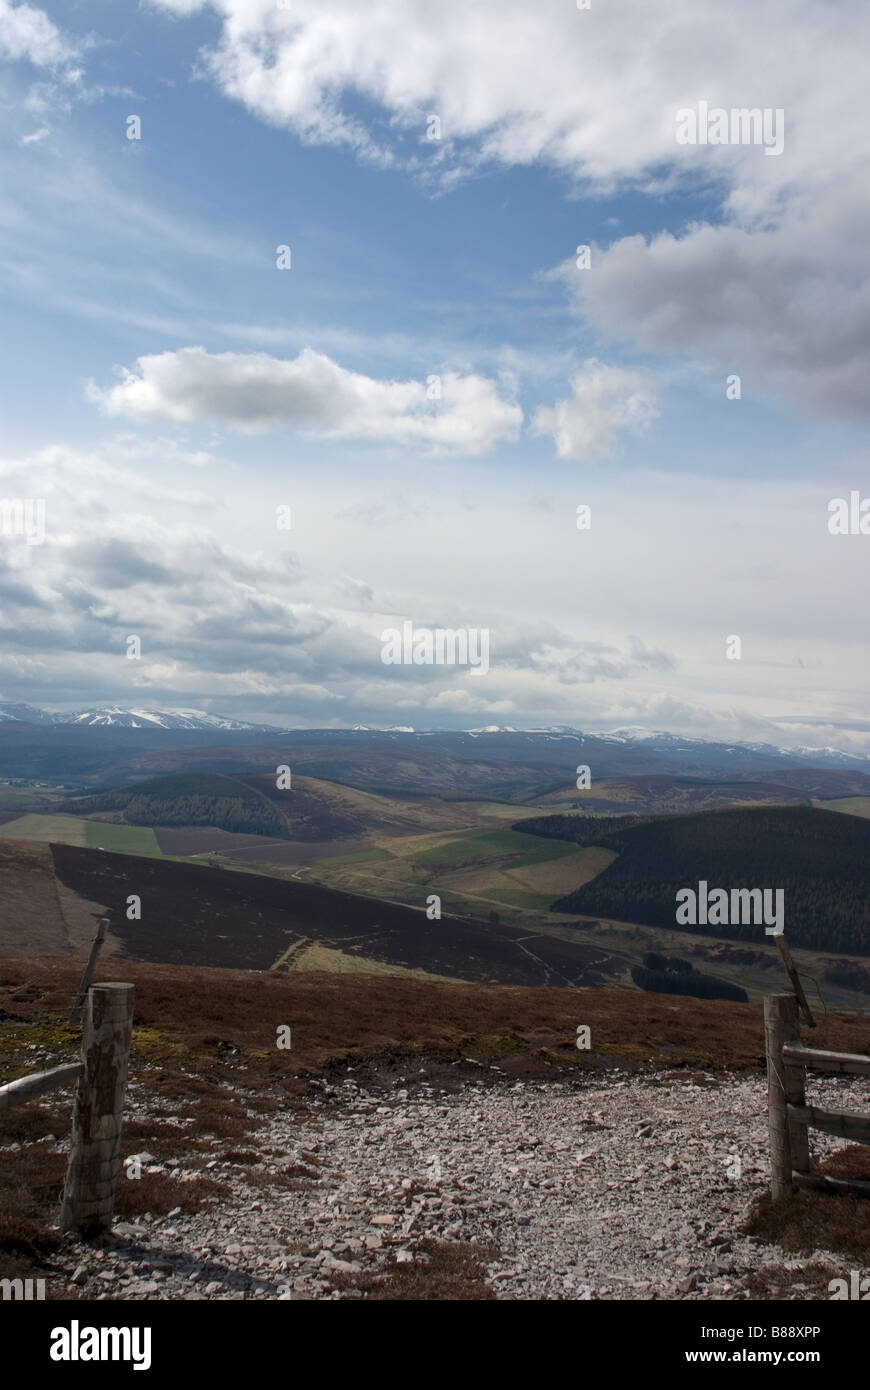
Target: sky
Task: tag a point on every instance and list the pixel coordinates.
(300, 347)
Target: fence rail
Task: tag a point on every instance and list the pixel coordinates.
(816, 1060)
(790, 1118)
(28, 1087)
(101, 1076)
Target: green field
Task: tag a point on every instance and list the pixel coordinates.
(513, 848)
(122, 839)
(92, 834)
(10, 797)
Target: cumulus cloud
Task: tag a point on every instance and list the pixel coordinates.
(555, 81)
(312, 393)
(778, 287)
(788, 310)
(605, 403)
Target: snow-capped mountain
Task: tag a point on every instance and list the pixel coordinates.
(119, 717)
(657, 740)
(162, 719)
(829, 755)
(686, 748)
(25, 714)
(640, 748)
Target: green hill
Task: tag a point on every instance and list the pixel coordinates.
(820, 861)
(200, 798)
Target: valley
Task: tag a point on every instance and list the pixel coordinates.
(328, 860)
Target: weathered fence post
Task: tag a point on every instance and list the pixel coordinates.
(95, 1154)
(794, 1076)
(87, 977)
(781, 1027)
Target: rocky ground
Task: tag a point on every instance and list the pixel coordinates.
(607, 1186)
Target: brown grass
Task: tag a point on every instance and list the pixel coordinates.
(779, 1282)
(31, 1183)
(158, 1193)
(808, 1220)
(439, 1271)
(208, 1021)
(851, 1162)
(30, 914)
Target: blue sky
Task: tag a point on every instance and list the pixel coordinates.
(165, 387)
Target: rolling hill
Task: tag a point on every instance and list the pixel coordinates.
(197, 916)
(189, 799)
(820, 861)
(308, 812)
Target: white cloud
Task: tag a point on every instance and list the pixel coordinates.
(312, 393)
(595, 93)
(35, 136)
(781, 290)
(605, 403)
(26, 32)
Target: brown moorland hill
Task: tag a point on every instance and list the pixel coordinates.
(198, 916)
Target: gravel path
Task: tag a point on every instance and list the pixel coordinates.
(602, 1188)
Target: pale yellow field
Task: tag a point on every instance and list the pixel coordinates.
(477, 879)
(313, 955)
(62, 830)
(563, 875)
(552, 876)
(851, 805)
(499, 810)
(407, 845)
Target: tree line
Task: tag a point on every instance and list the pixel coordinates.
(820, 859)
(190, 799)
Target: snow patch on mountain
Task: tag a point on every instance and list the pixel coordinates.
(115, 715)
(125, 718)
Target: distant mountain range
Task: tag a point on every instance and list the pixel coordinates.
(114, 716)
(678, 748)
(659, 741)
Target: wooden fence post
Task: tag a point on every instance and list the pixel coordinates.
(88, 975)
(794, 1076)
(95, 1153)
(780, 1027)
